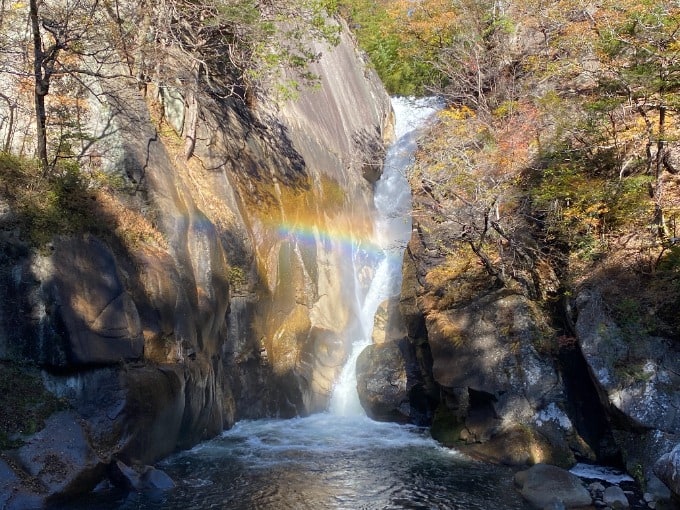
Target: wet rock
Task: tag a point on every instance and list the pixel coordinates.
(392, 376)
(8, 481)
(543, 485)
(156, 479)
(614, 497)
(596, 489)
(142, 479)
(382, 381)
(124, 476)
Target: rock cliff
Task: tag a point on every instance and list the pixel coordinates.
(226, 304)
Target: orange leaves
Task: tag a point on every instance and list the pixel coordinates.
(515, 136)
(429, 22)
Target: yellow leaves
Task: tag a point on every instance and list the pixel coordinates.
(456, 113)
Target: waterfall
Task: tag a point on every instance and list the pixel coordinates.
(392, 199)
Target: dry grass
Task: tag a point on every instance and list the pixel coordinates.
(68, 201)
(24, 402)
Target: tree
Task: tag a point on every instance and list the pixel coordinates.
(640, 50)
(69, 40)
(230, 45)
(468, 175)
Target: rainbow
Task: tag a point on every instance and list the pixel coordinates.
(348, 240)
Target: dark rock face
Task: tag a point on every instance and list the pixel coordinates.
(383, 383)
(500, 396)
(637, 381)
(667, 469)
(93, 308)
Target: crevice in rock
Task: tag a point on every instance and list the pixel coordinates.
(588, 415)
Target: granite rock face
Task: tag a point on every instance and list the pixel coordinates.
(234, 306)
(500, 395)
(667, 469)
(637, 381)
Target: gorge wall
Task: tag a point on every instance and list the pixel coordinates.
(213, 290)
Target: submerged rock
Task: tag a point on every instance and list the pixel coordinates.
(142, 479)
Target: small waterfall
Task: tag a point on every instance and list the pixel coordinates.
(392, 199)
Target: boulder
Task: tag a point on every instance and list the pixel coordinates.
(544, 485)
(382, 381)
(667, 468)
(156, 479)
(392, 379)
(60, 457)
(124, 476)
(614, 497)
(142, 479)
(494, 380)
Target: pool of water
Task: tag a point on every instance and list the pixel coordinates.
(322, 462)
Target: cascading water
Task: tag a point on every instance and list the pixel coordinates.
(341, 459)
(392, 199)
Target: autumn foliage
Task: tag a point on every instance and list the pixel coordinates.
(560, 143)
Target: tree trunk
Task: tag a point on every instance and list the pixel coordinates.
(7, 146)
(41, 87)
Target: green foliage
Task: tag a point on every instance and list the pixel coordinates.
(670, 261)
(238, 43)
(580, 202)
(404, 63)
(641, 49)
(45, 206)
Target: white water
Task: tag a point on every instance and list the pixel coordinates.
(392, 199)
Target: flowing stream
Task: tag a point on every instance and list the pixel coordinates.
(392, 198)
(339, 459)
